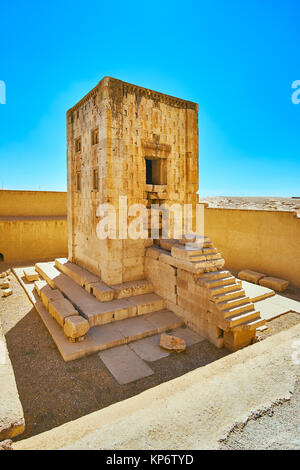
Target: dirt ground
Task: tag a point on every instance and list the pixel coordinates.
(54, 392)
(275, 429)
(261, 203)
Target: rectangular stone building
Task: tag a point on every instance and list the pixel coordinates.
(124, 140)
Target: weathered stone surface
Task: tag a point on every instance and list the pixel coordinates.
(31, 274)
(38, 286)
(148, 348)
(75, 327)
(61, 309)
(132, 288)
(125, 365)
(172, 343)
(279, 285)
(3, 274)
(251, 276)
(100, 290)
(4, 284)
(256, 292)
(11, 412)
(48, 294)
(146, 133)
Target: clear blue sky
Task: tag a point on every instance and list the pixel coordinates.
(237, 59)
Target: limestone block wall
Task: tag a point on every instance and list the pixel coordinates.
(264, 241)
(111, 134)
(33, 225)
(32, 203)
(184, 296)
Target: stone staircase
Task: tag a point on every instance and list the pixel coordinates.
(209, 298)
(229, 305)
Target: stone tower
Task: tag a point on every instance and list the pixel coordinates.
(124, 140)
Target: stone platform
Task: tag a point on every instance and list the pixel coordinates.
(112, 323)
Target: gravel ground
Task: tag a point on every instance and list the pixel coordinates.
(53, 392)
(255, 203)
(275, 429)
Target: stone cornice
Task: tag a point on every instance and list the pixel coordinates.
(139, 92)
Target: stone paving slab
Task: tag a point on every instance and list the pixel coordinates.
(149, 349)
(287, 303)
(27, 286)
(135, 328)
(256, 292)
(79, 274)
(125, 365)
(161, 322)
(276, 306)
(188, 335)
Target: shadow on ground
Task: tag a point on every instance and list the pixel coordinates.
(54, 392)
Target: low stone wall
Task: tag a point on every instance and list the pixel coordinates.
(264, 241)
(32, 203)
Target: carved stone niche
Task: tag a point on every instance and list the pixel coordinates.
(156, 155)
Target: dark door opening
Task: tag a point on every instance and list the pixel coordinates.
(1, 258)
(148, 171)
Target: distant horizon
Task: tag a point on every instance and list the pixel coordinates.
(200, 197)
(238, 61)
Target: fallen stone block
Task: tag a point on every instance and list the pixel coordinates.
(6, 445)
(4, 284)
(172, 343)
(76, 327)
(6, 292)
(61, 309)
(251, 276)
(3, 274)
(31, 274)
(277, 284)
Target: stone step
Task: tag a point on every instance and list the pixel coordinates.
(86, 279)
(95, 311)
(222, 274)
(220, 282)
(75, 272)
(202, 257)
(48, 272)
(229, 295)
(110, 335)
(132, 288)
(237, 302)
(221, 290)
(243, 318)
(251, 324)
(231, 312)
